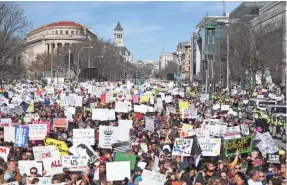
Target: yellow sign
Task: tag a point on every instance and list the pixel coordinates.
(30, 108)
(144, 98)
(183, 105)
(184, 130)
(60, 145)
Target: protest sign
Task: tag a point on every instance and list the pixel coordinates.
(182, 147)
(29, 117)
(126, 157)
(204, 97)
(183, 105)
(86, 151)
(232, 133)
(75, 163)
(135, 98)
(189, 113)
(184, 130)
(168, 99)
(84, 136)
(25, 166)
(42, 152)
(37, 131)
(126, 123)
(107, 136)
(78, 101)
(60, 145)
(103, 114)
(122, 146)
(21, 136)
(272, 158)
(152, 178)
(243, 145)
(117, 171)
(210, 146)
(12, 183)
(245, 129)
(42, 180)
(149, 124)
(270, 143)
(45, 123)
(199, 132)
(9, 134)
(122, 107)
(225, 107)
(60, 122)
(53, 166)
(6, 120)
(4, 152)
(144, 99)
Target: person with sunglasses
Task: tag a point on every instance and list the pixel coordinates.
(262, 178)
(34, 172)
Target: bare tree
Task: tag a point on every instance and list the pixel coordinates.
(169, 69)
(13, 28)
(254, 48)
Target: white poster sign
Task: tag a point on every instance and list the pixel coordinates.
(37, 131)
(108, 136)
(189, 113)
(44, 152)
(103, 114)
(122, 107)
(4, 152)
(53, 166)
(9, 134)
(84, 136)
(182, 147)
(42, 180)
(210, 146)
(152, 178)
(232, 133)
(117, 171)
(25, 166)
(149, 124)
(75, 163)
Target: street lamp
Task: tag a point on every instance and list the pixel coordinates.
(78, 63)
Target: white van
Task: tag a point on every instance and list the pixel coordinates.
(260, 104)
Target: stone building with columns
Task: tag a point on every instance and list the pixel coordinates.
(56, 37)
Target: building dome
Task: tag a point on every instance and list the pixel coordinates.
(60, 24)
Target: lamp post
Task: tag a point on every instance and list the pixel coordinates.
(78, 63)
(52, 57)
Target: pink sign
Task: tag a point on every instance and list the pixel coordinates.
(135, 98)
(44, 122)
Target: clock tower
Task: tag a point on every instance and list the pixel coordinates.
(119, 36)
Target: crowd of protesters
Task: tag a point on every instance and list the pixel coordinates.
(238, 169)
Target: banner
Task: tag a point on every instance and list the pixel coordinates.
(75, 163)
(21, 136)
(152, 178)
(126, 157)
(4, 152)
(210, 146)
(60, 145)
(37, 131)
(244, 145)
(232, 133)
(182, 147)
(117, 171)
(83, 136)
(60, 122)
(189, 113)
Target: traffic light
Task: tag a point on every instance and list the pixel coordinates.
(122, 75)
(137, 74)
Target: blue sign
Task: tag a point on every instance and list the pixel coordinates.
(21, 136)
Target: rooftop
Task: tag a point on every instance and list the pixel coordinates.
(119, 27)
(64, 23)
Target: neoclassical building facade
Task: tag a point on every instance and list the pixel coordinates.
(54, 37)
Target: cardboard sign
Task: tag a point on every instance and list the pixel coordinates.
(182, 105)
(103, 114)
(126, 157)
(9, 134)
(75, 163)
(48, 123)
(84, 136)
(122, 107)
(37, 131)
(204, 97)
(152, 178)
(60, 145)
(232, 133)
(210, 146)
(25, 166)
(21, 136)
(149, 124)
(53, 166)
(117, 171)
(60, 122)
(42, 152)
(29, 117)
(271, 158)
(182, 147)
(244, 145)
(4, 152)
(189, 113)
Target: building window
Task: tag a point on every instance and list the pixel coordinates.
(56, 32)
(210, 36)
(67, 32)
(72, 32)
(52, 31)
(61, 32)
(77, 32)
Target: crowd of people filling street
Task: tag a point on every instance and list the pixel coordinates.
(156, 133)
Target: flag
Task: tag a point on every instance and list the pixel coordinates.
(277, 67)
(175, 76)
(196, 160)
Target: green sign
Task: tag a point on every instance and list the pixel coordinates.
(243, 145)
(127, 157)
